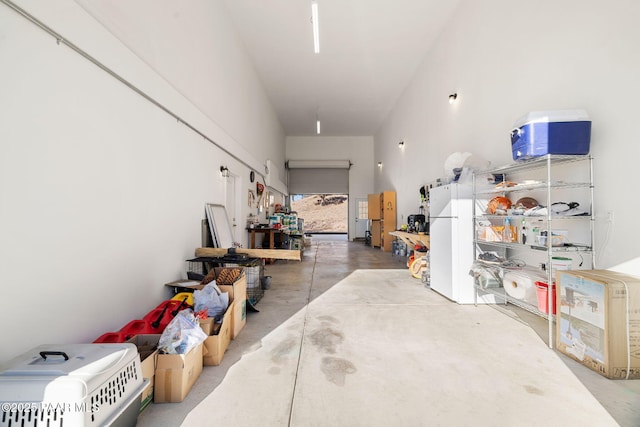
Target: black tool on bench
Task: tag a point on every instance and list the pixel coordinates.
(233, 256)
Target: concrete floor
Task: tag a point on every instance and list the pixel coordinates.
(347, 337)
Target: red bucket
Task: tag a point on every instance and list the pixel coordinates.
(543, 297)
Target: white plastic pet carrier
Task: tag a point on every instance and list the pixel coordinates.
(72, 385)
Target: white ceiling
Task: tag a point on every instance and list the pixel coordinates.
(369, 51)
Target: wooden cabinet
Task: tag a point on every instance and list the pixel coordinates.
(387, 218)
(382, 214)
(374, 206)
(376, 233)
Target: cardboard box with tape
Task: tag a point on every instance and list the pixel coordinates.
(598, 321)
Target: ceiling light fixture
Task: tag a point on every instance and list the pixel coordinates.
(318, 126)
(452, 98)
(380, 165)
(401, 145)
(316, 32)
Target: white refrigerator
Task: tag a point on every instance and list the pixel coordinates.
(451, 237)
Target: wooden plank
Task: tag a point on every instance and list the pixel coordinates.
(253, 253)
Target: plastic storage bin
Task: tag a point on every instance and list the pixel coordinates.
(543, 297)
(72, 385)
(539, 133)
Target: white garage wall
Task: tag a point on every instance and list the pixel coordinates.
(357, 149)
(101, 192)
(193, 46)
(505, 58)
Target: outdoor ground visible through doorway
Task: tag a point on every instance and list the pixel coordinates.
(322, 213)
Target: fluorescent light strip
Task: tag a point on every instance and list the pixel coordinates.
(316, 32)
(318, 126)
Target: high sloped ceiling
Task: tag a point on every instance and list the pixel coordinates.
(369, 51)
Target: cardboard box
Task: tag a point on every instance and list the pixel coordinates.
(207, 325)
(237, 295)
(147, 345)
(176, 374)
(593, 324)
(219, 337)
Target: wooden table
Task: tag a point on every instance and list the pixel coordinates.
(412, 239)
(270, 231)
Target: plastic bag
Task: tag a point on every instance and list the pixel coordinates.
(487, 276)
(212, 299)
(182, 334)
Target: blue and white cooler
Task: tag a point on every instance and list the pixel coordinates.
(72, 385)
(565, 132)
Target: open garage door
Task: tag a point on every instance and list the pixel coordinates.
(322, 213)
(318, 176)
(319, 190)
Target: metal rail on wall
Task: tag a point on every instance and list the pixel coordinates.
(61, 40)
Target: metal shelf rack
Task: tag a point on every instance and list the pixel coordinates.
(547, 186)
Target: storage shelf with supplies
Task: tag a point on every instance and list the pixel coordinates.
(567, 248)
(501, 294)
(538, 215)
(528, 186)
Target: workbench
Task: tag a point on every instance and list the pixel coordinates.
(270, 231)
(412, 239)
